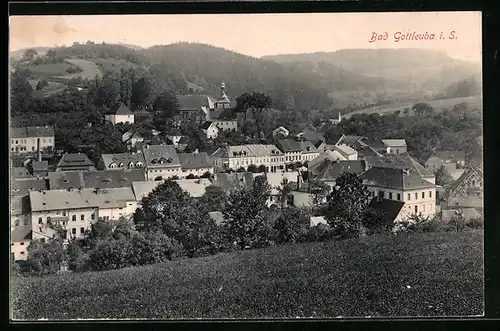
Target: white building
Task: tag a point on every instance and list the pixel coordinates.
(196, 164)
(31, 138)
(121, 115)
(162, 161)
(237, 157)
(281, 131)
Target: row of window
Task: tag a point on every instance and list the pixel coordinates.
(390, 195)
(23, 141)
(73, 218)
(422, 208)
(17, 222)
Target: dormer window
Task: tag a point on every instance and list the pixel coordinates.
(169, 160)
(153, 161)
(139, 165)
(131, 165)
(112, 165)
(120, 165)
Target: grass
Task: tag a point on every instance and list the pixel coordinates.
(58, 70)
(52, 88)
(49, 70)
(473, 102)
(432, 274)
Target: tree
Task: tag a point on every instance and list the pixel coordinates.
(261, 168)
(46, 257)
(319, 190)
(21, 93)
(291, 226)
(284, 192)
(256, 103)
(252, 168)
(375, 221)
(141, 93)
(443, 177)
(346, 205)
(422, 108)
(167, 104)
(246, 215)
(29, 54)
(214, 199)
(41, 84)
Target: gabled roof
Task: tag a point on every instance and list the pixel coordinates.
(206, 125)
(471, 170)
(367, 151)
(390, 208)
(234, 181)
(195, 102)
(399, 162)
(195, 160)
(75, 160)
(329, 170)
(123, 158)
(161, 156)
(84, 198)
(289, 145)
(307, 147)
(394, 142)
(398, 179)
(32, 131)
(131, 134)
(450, 155)
(346, 150)
(23, 187)
(349, 140)
(312, 136)
(20, 172)
(280, 129)
(94, 179)
(375, 144)
(122, 110)
(21, 234)
(40, 166)
(327, 155)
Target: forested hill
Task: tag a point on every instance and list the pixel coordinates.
(415, 68)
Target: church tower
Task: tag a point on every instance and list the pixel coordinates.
(223, 101)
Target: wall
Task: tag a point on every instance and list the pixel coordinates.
(396, 150)
(123, 119)
(69, 224)
(196, 172)
(117, 213)
(29, 144)
(302, 199)
(152, 173)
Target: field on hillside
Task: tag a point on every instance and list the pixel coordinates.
(90, 69)
(52, 88)
(58, 70)
(49, 70)
(429, 274)
(473, 102)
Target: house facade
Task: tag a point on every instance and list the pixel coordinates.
(237, 157)
(121, 161)
(467, 191)
(29, 139)
(122, 114)
(395, 146)
(161, 161)
(450, 160)
(281, 132)
(196, 164)
(297, 151)
(210, 129)
(347, 152)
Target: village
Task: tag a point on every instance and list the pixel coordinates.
(74, 193)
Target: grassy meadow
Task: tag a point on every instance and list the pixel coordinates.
(420, 274)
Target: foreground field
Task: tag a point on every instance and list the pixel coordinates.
(432, 274)
(473, 102)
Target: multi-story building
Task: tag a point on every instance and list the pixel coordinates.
(162, 161)
(467, 190)
(400, 162)
(121, 161)
(298, 151)
(212, 128)
(196, 164)
(450, 160)
(418, 194)
(102, 179)
(76, 209)
(237, 157)
(29, 139)
(75, 162)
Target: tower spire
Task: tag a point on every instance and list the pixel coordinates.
(222, 91)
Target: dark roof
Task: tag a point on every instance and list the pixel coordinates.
(20, 204)
(184, 140)
(389, 208)
(32, 131)
(75, 160)
(95, 179)
(399, 162)
(156, 153)
(234, 181)
(450, 155)
(206, 125)
(125, 158)
(20, 172)
(21, 234)
(330, 170)
(122, 110)
(195, 160)
(398, 179)
(350, 140)
(313, 136)
(23, 187)
(368, 151)
(471, 170)
(374, 143)
(40, 166)
(289, 145)
(194, 102)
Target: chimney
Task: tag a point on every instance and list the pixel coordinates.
(39, 152)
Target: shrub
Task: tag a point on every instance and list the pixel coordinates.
(475, 223)
(252, 168)
(261, 169)
(190, 176)
(240, 169)
(207, 174)
(159, 178)
(291, 225)
(320, 232)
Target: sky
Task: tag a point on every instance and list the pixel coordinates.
(259, 34)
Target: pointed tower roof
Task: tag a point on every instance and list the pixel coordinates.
(223, 97)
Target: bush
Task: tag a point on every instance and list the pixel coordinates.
(190, 176)
(207, 174)
(475, 223)
(261, 169)
(252, 168)
(291, 226)
(240, 169)
(320, 232)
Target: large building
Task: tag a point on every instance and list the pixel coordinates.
(196, 164)
(467, 191)
(29, 139)
(162, 161)
(298, 151)
(75, 162)
(238, 157)
(104, 179)
(121, 161)
(405, 185)
(401, 162)
(76, 209)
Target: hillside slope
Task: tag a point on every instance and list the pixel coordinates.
(413, 68)
(426, 274)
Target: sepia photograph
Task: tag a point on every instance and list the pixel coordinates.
(246, 166)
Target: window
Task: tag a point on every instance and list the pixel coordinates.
(399, 197)
(17, 142)
(32, 148)
(22, 244)
(423, 195)
(416, 209)
(381, 194)
(49, 219)
(73, 231)
(40, 220)
(42, 240)
(43, 140)
(82, 230)
(16, 223)
(64, 213)
(25, 222)
(22, 253)
(430, 194)
(73, 218)
(416, 196)
(390, 195)
(82, 217)
(92, 217)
